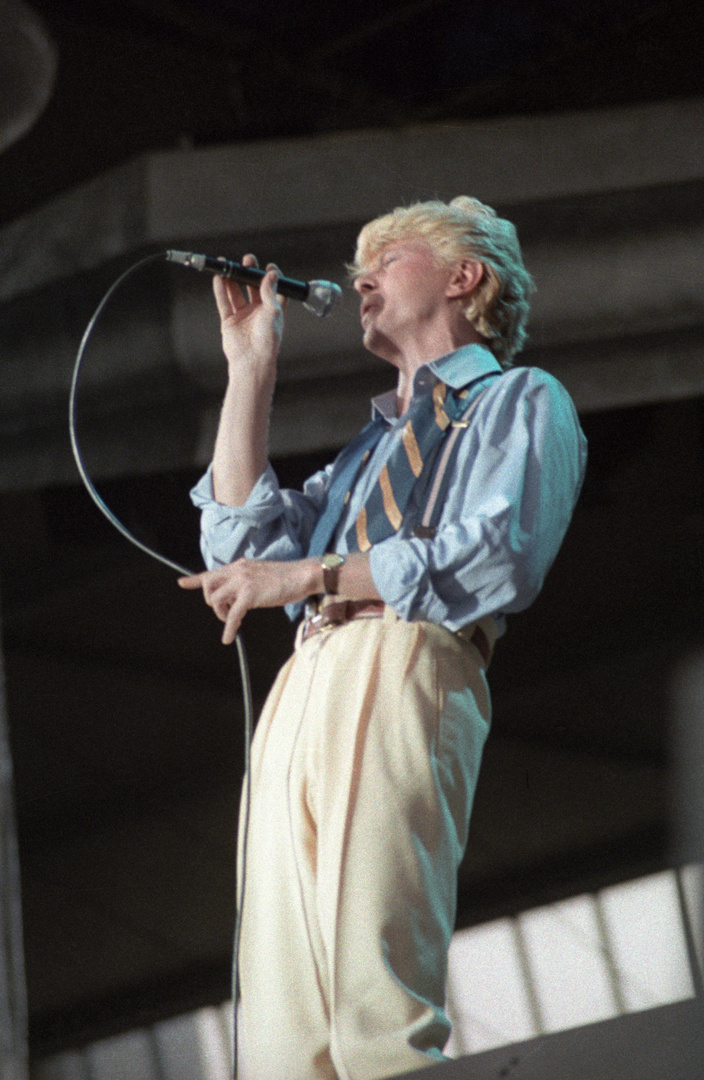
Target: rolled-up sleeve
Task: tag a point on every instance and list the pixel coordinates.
(515, 481)
(273, 523)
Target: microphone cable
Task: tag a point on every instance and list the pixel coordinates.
(184, 571)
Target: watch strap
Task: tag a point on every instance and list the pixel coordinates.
(331, 564)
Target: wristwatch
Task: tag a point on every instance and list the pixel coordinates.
(331, 564)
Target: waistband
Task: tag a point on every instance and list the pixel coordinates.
(335, 611)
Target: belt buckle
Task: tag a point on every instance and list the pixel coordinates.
(310, 625)
(314, 623)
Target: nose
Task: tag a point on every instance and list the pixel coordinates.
(364, 283)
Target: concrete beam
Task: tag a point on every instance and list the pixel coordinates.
(350, 177)
(587, 291)
(286, 184)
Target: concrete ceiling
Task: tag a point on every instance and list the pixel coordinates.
(139, 75)
(581, 121)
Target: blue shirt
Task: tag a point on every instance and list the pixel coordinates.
(515, 479)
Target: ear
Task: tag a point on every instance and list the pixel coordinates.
(465, 278)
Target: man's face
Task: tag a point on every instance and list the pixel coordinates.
(403, 295)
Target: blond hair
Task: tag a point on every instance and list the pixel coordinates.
(464, 228)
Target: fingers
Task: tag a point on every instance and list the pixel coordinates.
(250, 292)
(233, 590)
(267, 289)
(219, 594)
(233, 299)
(195, 581)
(227, 299)
(232, 624)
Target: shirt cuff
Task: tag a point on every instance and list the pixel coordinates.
(263, 503)
(399, 569)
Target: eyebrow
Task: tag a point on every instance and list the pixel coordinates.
(379, 256)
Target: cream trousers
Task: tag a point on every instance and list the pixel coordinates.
(364, 767)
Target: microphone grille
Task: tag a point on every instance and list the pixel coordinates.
(322, 297)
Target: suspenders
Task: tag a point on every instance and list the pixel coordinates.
(433, 426)
(426, 529)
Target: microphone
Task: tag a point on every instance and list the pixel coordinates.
(319, 297)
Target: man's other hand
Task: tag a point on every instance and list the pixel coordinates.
(231, 591)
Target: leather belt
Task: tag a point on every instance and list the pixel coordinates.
(341, 611)
(337, 612)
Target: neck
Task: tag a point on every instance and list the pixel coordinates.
(412, 360)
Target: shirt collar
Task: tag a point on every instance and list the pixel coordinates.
(457, 369)
(384, 407)
(463, 366)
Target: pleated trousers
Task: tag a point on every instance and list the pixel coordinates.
(364, 766)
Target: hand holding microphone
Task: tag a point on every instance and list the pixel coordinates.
(251, 322)
(318, 297)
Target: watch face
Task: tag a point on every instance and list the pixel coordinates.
(331, 563)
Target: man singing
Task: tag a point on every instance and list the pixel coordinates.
(440, 519)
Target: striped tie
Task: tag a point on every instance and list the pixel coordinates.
(347, 467)
(428, 419)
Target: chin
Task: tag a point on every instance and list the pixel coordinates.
(371, 342)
